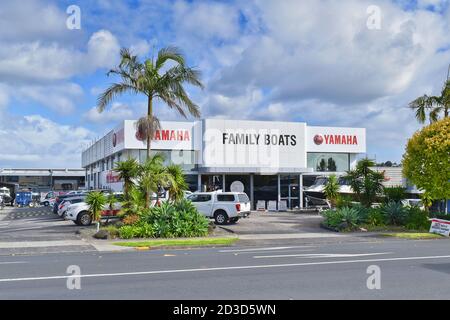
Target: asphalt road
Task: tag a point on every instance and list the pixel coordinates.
(408, 270)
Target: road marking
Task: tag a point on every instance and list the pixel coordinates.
(264, 249)
(323, 255)
(102, 275)
(14, 262)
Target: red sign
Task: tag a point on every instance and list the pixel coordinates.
(112, 178)
(336, 139)
(172, 135)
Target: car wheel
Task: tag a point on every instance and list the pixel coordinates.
(221, 217)
(46, 204)
(84, 219)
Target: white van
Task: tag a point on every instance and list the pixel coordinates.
(223, 207)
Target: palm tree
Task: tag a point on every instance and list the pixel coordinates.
(96, 202)
(152, 176)
(434, 105)
(331, 189)
(177, 182)
(128, 171)
(151, 79)
(365, 182)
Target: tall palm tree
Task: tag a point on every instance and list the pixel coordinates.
(435, 106)
(155, 80)
(127, 171)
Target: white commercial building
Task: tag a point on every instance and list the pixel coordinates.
(268, 160)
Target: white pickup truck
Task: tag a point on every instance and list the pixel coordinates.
(223, 207)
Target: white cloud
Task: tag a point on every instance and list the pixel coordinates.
(117, 112)
(61, 98)
(34, 141)
(36, 62)
(206, 20)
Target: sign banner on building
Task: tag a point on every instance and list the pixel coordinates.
(335, 139)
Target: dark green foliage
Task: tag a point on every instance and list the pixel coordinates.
(417, 219)
(341, 219)
(395, 194)
(365, 182)
(394, 213)
(180, 219)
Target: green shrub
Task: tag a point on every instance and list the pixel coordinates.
(395, 194)
(350, 218)
(343, 201)
(341, 219)
(140, 230)
(375, 218)
(333, 218)
(361, 211)
(417, 219)
(180, 219)
(127, 232)
(394, 213)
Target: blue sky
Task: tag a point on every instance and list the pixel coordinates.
(291, 60)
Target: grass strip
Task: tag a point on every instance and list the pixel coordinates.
(178, 242)
(413, 235)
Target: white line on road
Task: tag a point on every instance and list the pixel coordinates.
(264, 249)
(323, 255)
(14, 262)
(100, 275)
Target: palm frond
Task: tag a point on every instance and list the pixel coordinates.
(113, 91)
(169, 53)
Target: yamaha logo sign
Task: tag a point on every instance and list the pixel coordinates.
(335, 139)
(318, 139)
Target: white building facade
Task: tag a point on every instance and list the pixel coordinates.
(268, 160)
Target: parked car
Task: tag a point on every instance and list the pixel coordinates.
(223, 207)
(24, 199)
(62, 208)
(5, 193)
(80, 215)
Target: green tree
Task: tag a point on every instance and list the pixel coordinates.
(96, 202)
(156, 80)
(435, 106)
(155, 176)
(127, 171)
(331, 189)
(177, 182)
(426, 162)
(365, 182)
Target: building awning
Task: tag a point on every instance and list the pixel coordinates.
(254, 170)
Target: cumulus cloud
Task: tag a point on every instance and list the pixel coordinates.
(117, 112)
(35, 62)
(34, 141)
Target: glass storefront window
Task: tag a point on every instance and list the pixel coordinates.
(329, 162)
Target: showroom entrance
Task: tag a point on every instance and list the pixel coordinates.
(284, 191)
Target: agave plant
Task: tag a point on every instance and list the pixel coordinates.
(394, 212)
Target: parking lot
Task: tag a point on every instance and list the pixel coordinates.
(22, 226)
